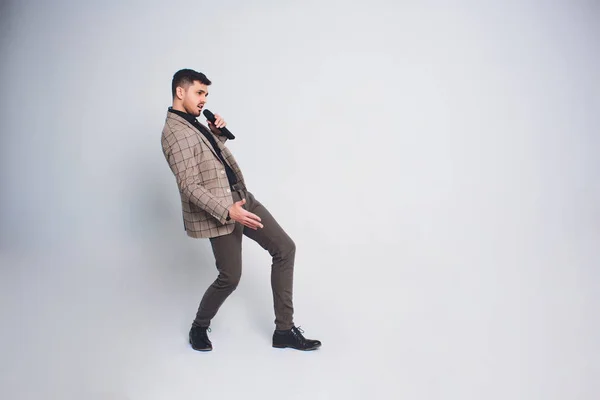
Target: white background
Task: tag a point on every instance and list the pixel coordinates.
(437, 166)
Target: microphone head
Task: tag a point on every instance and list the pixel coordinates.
(209, 115)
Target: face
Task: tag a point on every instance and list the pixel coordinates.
(194, 98)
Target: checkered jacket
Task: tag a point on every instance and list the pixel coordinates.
(201, 178)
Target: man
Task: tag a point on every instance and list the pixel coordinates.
(217, 205)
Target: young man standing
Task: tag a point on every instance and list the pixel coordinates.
(217, 205)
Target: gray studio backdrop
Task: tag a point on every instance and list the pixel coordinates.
(436, 164)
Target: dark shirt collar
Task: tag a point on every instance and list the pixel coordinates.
(188, 117)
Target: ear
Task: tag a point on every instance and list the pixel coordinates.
(180, 92)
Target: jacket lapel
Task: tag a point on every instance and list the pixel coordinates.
(202, 137)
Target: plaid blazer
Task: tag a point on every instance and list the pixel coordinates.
(201, 178)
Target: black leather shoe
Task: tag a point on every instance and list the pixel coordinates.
(199, 339)
(293, 338)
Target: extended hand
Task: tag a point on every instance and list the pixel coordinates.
(237, 213)
(219, 123)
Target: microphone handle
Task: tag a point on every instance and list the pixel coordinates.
(226, 133)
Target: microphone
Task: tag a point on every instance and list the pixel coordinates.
(211, 117)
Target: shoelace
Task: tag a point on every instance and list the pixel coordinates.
(297, 332)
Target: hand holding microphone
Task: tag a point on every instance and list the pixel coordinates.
(219, 124)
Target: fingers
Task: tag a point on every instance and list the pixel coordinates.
(247, 218)
(252, 216)
(250, 223)
(252, 220)
(219, 122)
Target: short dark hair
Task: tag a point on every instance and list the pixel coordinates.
(186, 77)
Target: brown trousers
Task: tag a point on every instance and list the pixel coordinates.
(227, 250)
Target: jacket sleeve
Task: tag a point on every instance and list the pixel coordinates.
(184, 165)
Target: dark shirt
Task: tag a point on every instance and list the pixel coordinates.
(208, 134)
